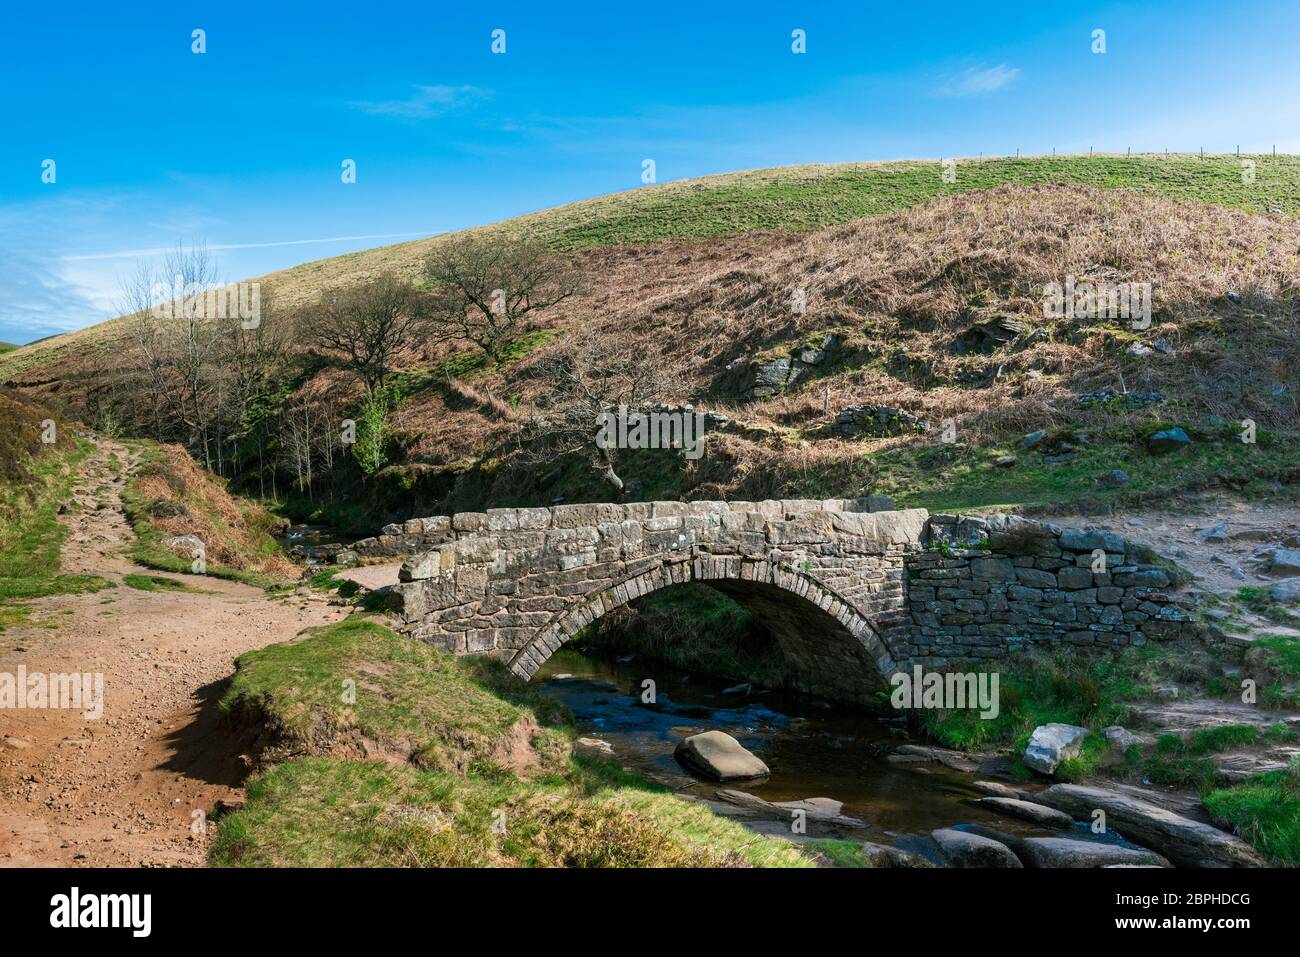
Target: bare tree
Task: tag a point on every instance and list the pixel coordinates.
(255, 359)
(592, 377)
(191, 339)
(363, 328)
(486, 288)
(296, 445)
(146, 334)
(175, 342)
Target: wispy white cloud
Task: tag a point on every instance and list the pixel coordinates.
(977, 81)
(38, 297)
(163, 250)
(425, 103)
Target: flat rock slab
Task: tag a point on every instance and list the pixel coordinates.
(718, 756)
(962, 849)
(1028, 811)
(1176, 716)
(371, 577)
(1245, 765)
(819, 809)
(1186, 842)
(1065, 852)
(924, 754)
(998, 789)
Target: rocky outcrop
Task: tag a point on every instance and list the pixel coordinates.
(992, 332)
(1287, 592)
(768, 377)
(1186, 842)
(718, 756)
(878, 421)
(1168, 440)
(1279, 561)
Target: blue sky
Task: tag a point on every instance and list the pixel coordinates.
(241, 146)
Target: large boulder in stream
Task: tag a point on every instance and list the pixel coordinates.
(1186, 842)
(718, 756)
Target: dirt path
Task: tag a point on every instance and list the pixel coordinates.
(121, 789)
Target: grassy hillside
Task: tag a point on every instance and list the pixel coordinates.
(170, 496)
(903, 294)
(788, 199)
(904, 276)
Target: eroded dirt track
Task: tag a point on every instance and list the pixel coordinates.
(122, 789)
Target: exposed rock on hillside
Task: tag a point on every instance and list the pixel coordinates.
(878, 421)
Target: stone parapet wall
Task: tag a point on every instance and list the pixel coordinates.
(988, 588)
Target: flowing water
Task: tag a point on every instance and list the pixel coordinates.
(312, 544)
(812, 749)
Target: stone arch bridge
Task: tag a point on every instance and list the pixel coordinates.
(851, 589)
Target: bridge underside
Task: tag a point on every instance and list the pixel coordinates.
(822, 657)
(830, 649)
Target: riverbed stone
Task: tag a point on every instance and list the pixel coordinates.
(1067, 852)
(821, 810)
(1027, 811)
(998, 789)
(718, 756)
(963, 849)
(886, 856)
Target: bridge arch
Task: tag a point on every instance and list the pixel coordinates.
(830, 647)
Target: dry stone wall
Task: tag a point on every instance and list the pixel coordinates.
(850, 588)
(988, 588)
